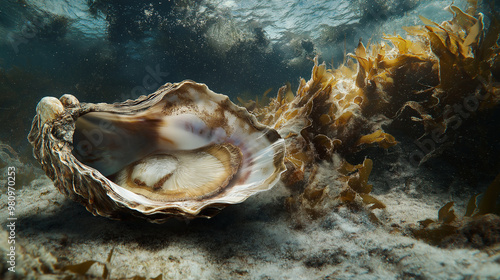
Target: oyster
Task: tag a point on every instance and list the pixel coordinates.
(181, 151)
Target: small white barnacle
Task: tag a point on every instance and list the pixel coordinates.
(48, 109)
(181, 151)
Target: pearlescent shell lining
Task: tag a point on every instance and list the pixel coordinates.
(177, 111)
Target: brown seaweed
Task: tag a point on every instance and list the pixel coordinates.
(339, 112)
(479, 227)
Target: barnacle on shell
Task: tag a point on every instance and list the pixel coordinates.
(181, 151)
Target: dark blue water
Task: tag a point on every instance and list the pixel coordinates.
(105, 51)
(113, 50)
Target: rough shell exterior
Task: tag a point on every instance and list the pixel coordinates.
(52, 138)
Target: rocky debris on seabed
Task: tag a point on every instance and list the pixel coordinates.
(253, 240)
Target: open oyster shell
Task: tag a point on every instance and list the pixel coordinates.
(181, 151)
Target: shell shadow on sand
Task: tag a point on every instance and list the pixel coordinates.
(235, 227)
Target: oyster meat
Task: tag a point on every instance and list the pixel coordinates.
(181, 151)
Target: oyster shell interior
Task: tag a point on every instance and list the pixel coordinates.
(183, 150)
(163, 158)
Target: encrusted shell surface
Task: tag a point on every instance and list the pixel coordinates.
(181, 151)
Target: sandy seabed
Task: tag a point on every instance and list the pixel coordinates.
(56, 238)
(252, 240)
